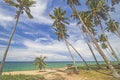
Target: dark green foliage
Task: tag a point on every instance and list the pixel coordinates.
(23, 5)
(60, 22)
(102, 38)
(40, 62)
(104, 46)
(94, 67)
(73, 2)
(112, 26)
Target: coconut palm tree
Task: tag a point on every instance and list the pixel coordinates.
(79, 55)
(102, 40)
(97, 7)
(109, 45)
(114, 72)
(68, 43)
(87, 17)
(113, 26)
(40, 62)
(59, 25)
(21, 5)
(90, 47)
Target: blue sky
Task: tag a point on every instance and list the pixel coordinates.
(35, 37)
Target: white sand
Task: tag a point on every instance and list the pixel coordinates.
(35, 72)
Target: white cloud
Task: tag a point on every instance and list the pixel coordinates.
(53, 49)
(39, 12)
(5, 16)
(54, 46)
(30, 54)
(41, 39)
(3, 39)
(5, 20)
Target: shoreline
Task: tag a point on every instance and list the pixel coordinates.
(59, 73)
(33, 72)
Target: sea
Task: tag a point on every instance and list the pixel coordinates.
(24, 66)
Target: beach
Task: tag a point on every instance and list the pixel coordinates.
(60, 74)
(56, 72)
(48, 74)
(31, 72)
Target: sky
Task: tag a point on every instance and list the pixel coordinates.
(34, 37)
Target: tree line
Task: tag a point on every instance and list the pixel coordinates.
(92, 23)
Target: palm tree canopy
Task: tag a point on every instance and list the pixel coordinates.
(40, 61)
(104, 46)
(23, 5)
(112, 26)
(73, 2)
(98, 7)
(60, 22)
(103, 38)
(88, 20)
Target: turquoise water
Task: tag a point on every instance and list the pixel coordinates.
(20, 66)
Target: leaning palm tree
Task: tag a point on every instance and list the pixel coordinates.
(21, 5)
(102, 40)
(40, 62)
(73, 6)
(79, 55)
(68, 43)
(97, 9)
(106, 9)
(90, 47)
(87, 17)
(59, 25)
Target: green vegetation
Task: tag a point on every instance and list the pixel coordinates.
(94, 66)
(94, 74)
(40, 62)
(93, 23)
(19, 77)
(59, 25)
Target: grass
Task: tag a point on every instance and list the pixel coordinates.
(31, 77)
(19, 77)
(93, 74)
(97, 74)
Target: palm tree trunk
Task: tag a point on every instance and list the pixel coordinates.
(114, 72)
(70, 52)
(93, 54)
(79, 55)
(109, 54)
(113, 52)
(8, 45)
(71, 55)
(90, 48)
